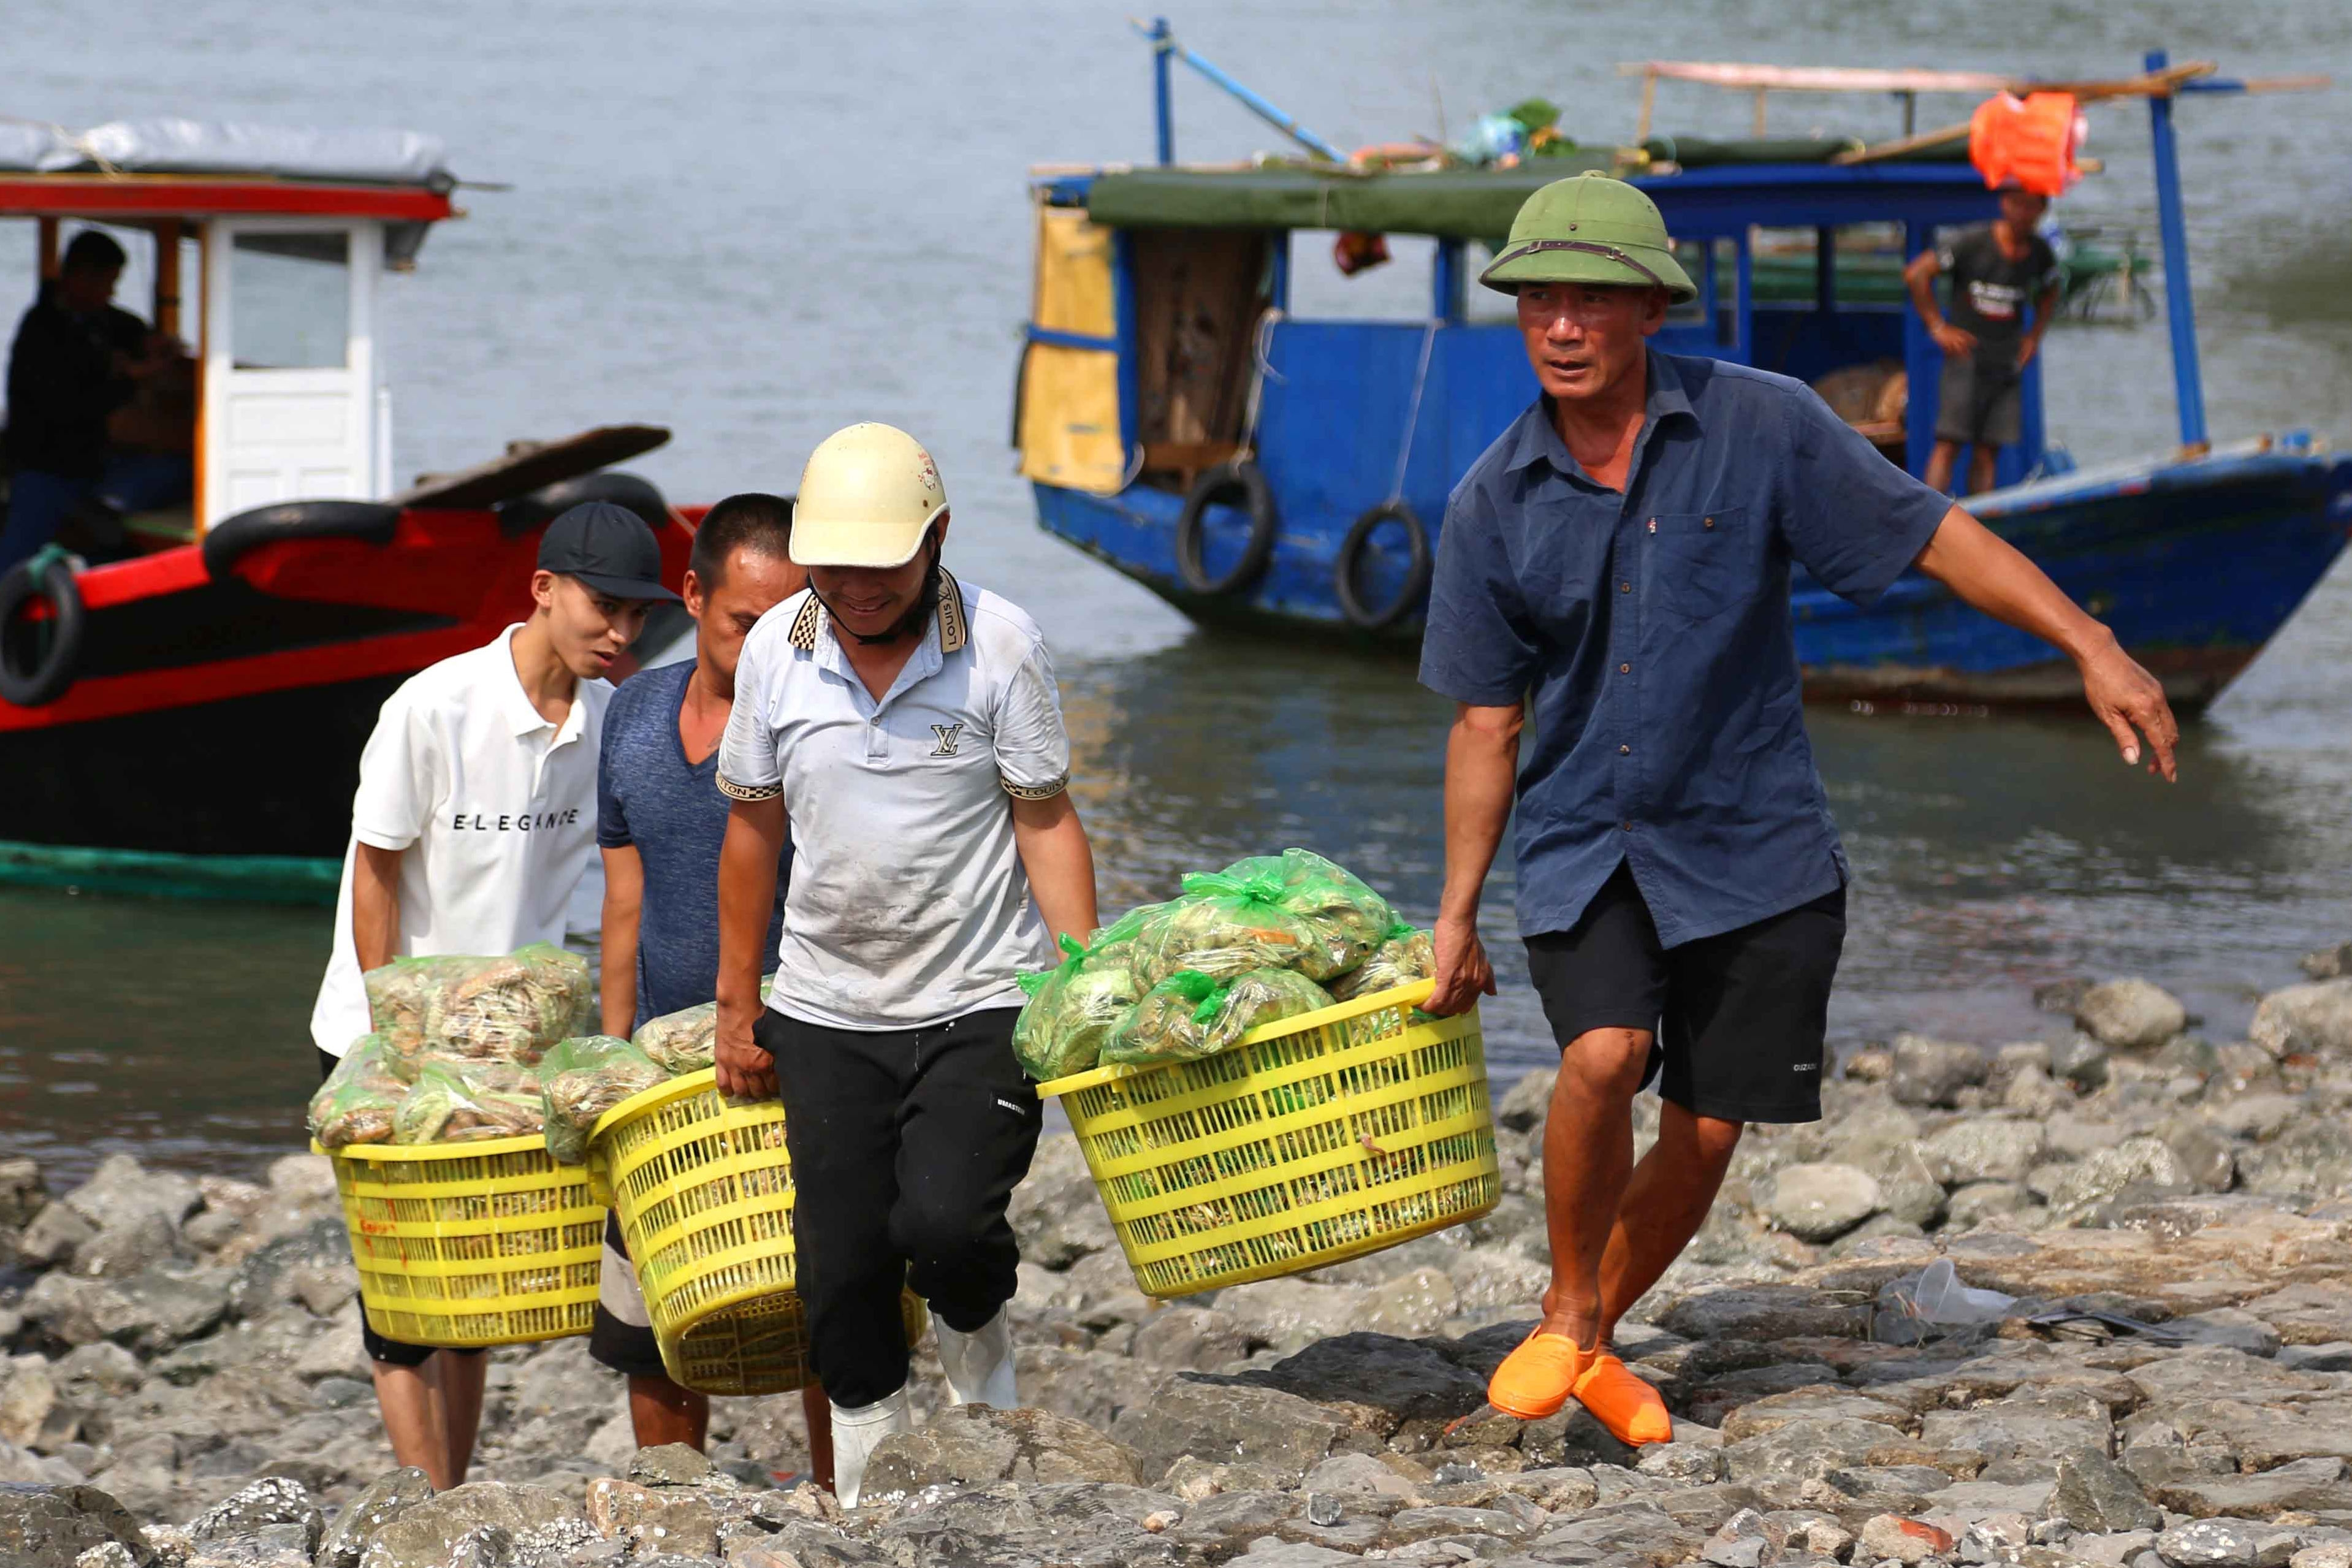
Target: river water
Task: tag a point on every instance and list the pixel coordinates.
(756, 222)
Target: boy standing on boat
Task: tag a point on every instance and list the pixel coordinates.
(1612, 586)
(473, 831)
(660, 822)
(908, 729)
(1996, 270)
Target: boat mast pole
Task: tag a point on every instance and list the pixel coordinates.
(1161, 42)
(1280, 118)
(2172, 225)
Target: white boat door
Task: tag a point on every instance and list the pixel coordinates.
(292, 408)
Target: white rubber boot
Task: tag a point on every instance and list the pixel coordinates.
(858, 1431)
(980, 1364)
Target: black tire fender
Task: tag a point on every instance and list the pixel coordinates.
(1379, 617)
(527, 514)
(36, 682)
(231, 538)
(1242, 479)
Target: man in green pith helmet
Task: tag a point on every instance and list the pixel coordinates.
(1612, 589)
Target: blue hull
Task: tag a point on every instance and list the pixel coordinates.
(2196, 564)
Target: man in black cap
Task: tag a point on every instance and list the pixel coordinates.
(474, 831)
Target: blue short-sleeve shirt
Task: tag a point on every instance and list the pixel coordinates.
(650, 795)
(1650, 633)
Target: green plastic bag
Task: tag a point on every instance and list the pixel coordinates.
(1224, 927)
(686, 1040)
(1161, 1026)
(583, 1078)
(1348, 917)
(360, 1098)
(1261, 996)
(450, 1105)
(1408, 955)
(508, 1008)
(1073, 1008)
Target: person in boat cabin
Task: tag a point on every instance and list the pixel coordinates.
(474, 831)
(1611, 615)
(660, 822)
(906, 728)
(78, 361)
(1997, 270)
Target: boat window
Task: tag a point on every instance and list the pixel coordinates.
(1868, 259)
(290, 300)
(1396, 290)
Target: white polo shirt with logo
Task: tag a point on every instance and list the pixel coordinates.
(909, 903)
(495, 810)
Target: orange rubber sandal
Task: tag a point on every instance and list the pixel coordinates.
(1622, 1402)
(1536, 1379)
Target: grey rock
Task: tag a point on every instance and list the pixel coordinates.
(34, 1414)
(2327, 963)
(1933, 1072)
(2206, 1154)
(1984, 1150)
(1092, 1386)
(1893, 1537)
(1821, 1402)
(273, 1501)
(1680, 1461)
(2098, 1496)
(2131, 1014)
(23, 1192)
(2226, 1544)
(121, 1188)
(2333, 1357)
(2302, 1486)
(1628, 1534)
(1819, 1203)
(671, 1465)
(1190, 1338)
(1805, 1447)
(2313, 1019)
(1765, 1313)
(1290, 1314)
(1055, 1211)
(426, 1534)
(1573, 1438)
(1294, 1554)
(2228, 1328)
(1407, 1380)
(53, 1235)
(383, 1501)
(50, 1526)
(2311, 1313)
(1982, 1201)
(1358, 1474)
(2142, 1162)
(267, 1277)
(973, 1445)
(1227, 1423)
(141, 1238)
(1524, 1107)
(2080, 1060)
(101, 1368)
(2312, 1156)
(1232, 1520)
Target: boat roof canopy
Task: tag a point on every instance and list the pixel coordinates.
(141, 172)
(1448, 204)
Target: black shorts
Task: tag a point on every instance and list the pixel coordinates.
(391, 1352)
(621, 1335)
(1980, 403)
(1737, 1021)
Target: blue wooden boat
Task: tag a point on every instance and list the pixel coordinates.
(1261, 470)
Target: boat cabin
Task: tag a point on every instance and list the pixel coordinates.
(262, 253)
(1179, 284)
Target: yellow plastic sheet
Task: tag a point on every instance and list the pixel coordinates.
(1069, 396)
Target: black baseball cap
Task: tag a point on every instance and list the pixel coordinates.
(608, 547)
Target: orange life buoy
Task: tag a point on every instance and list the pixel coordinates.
(2031, 140)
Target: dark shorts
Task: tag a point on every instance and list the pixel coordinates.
(1738, 1020)
(621, 1335)
(1980, 403)
(391, 1352)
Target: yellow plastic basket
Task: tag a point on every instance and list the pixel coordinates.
(1315, 1140)
(704, 1191)
(470, 1244)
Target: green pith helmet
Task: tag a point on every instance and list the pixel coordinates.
(1589, 228)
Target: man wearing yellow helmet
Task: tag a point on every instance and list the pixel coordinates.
(1612, 579)
(907, 729)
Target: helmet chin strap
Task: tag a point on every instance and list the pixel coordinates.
(910, 625)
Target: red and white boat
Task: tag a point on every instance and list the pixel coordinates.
(189, 718)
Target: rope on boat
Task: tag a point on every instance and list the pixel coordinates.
(1412, 410)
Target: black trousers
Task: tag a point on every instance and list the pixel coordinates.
(906, 1145)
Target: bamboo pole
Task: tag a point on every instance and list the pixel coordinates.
(2154, 84)
(1649, 102)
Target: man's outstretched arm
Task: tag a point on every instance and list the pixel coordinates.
(1990, 574)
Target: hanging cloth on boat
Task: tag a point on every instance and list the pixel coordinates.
(1065, 417)
(2031, 140)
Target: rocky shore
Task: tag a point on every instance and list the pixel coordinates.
(183, 1384)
